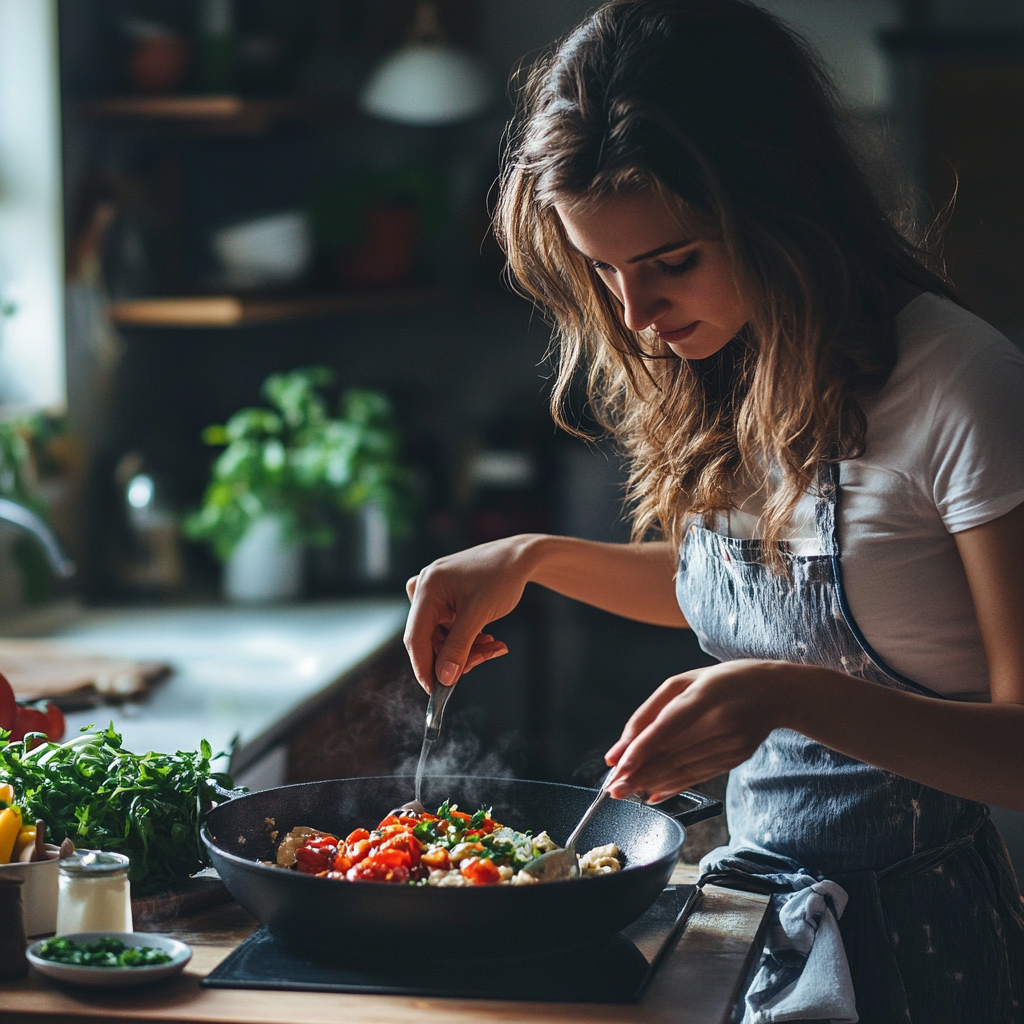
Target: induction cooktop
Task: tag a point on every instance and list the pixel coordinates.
(613, 970)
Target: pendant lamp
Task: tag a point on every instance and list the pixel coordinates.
(427, 82)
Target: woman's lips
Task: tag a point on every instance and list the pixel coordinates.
(679, 335)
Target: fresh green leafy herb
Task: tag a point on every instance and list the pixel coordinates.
(103, 797)
(102, 953)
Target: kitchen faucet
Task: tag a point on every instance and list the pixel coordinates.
(60, 564)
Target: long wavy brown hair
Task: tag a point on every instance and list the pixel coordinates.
(725, 113)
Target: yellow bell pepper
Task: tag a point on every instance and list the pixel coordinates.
(10, 826)
(26, 837)
(6, 792)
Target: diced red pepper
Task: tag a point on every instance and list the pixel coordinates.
(460, 814)
(341, 863)
(356, 835)
(480, 871)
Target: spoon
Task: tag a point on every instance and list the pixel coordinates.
(435, 710)
(562, 865)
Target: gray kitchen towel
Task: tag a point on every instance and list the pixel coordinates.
(803, 973)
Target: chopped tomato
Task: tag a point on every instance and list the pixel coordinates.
(358, 851)
(392, 830)
(437, 859)
(488, 826)
(311, 861)
(374, 870)
(460, 814)
(341, 863)
(355, 835)
(321, 842)
(480, 871)
(389, 820)
(405, 843)
(393, 858)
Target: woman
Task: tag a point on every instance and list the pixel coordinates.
(828, 447)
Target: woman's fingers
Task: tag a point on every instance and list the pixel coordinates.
(484, 652)
(713, 724)
(456, 655)
(646, 714)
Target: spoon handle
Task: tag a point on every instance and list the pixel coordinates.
(598, 800)
(435, 710)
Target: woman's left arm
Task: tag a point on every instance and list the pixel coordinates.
(701, 723)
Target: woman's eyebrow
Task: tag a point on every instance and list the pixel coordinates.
(671, 247)
(660, 251)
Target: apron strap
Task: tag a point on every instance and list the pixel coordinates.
(825, 509)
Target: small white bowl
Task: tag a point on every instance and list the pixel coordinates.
(75, 974)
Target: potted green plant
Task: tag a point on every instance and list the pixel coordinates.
(284, 469)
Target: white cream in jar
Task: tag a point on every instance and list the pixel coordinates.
(94, 895)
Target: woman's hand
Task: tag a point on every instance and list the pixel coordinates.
(453, 599)
(699, 724)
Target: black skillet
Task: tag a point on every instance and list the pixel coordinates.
(306, 910)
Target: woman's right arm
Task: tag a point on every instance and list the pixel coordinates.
(454, 598)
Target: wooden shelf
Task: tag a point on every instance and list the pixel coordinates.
(241, 311)
(227, 114)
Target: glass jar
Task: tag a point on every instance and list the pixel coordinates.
(94, 893)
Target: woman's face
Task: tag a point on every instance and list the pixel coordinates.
(677, 281)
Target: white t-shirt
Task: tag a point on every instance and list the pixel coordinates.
(944, 452)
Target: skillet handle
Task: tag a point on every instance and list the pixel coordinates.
(690, 806)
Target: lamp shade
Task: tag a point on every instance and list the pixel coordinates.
(427, 83)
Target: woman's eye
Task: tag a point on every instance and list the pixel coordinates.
(598, 265)
(674, 269)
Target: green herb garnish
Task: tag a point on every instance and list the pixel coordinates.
(102, 953)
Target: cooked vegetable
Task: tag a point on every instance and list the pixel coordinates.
(448, 848)
(102, 953)
(147, 806)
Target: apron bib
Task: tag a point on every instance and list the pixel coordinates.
(934, 929)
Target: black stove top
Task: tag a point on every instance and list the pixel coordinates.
(613, 970)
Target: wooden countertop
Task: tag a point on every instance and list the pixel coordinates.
(696, 984)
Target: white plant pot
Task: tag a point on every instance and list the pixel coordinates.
(265, 566)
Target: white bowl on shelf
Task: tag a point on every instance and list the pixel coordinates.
(273, 250)
(118, 977)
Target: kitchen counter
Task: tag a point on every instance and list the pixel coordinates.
(241, 675)
(697, 983)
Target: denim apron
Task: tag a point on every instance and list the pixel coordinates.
(934, 929)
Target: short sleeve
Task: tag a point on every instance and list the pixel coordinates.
(977, 435)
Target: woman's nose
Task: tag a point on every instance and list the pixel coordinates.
(641, 305)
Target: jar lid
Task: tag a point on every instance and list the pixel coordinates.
(94, 863)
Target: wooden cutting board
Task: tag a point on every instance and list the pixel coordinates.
(37, 669)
